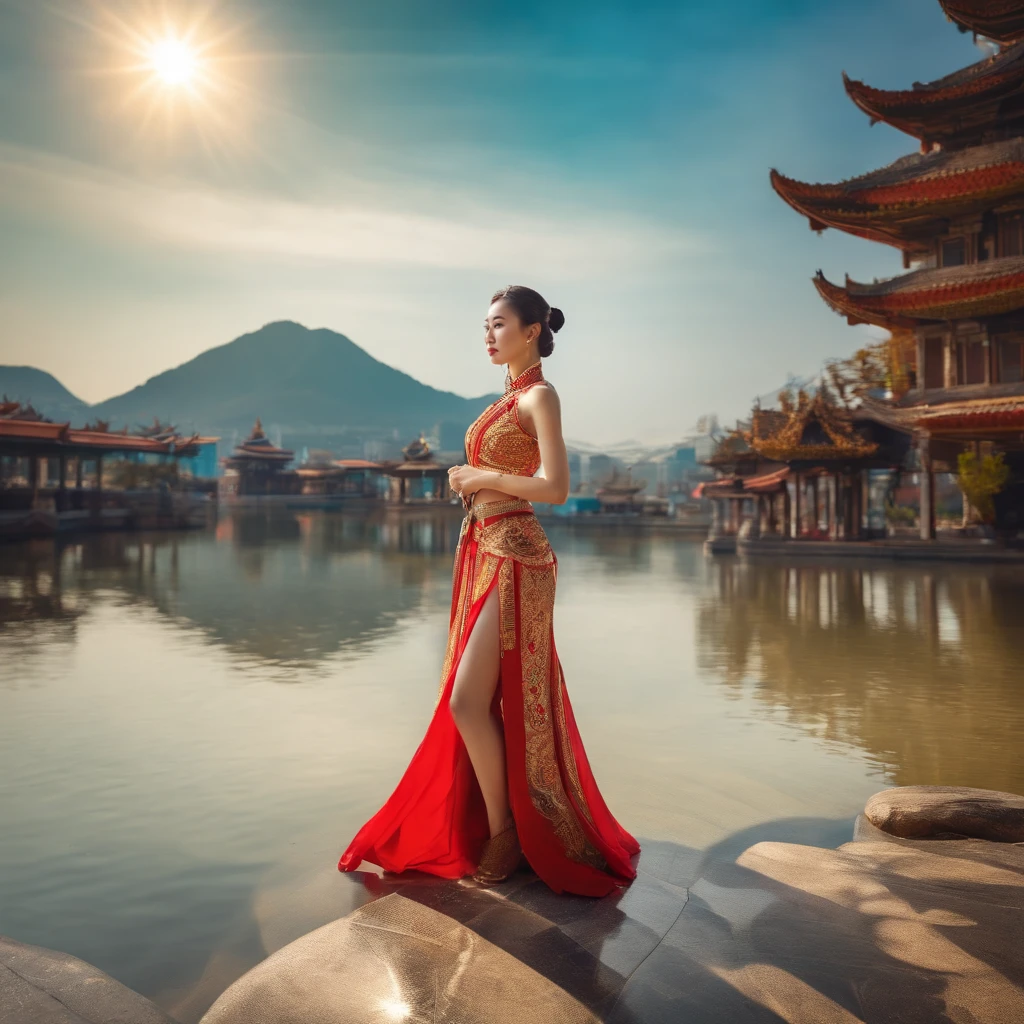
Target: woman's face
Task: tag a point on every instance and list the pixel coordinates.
(505, 337)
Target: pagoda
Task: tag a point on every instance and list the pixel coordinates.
(418, 478)
(617, 492)
(747, 484)
(256, 466)
(799, 471)
(955, 210)
(827, 449)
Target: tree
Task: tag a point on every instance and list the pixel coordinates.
(882, 366)
(981, 479)
(147, 475)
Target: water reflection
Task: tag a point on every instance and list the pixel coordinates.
(37, 616)
(289, 589)
(919, 667)
(200, 820)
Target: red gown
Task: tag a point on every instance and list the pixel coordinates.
(436, 820)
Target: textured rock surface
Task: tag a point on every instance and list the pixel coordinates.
(395, 959)
(940, 812)
(43, 986)
(879, 929)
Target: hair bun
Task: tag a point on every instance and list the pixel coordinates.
(556, 319)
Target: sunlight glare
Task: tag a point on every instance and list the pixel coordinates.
(184, 77)
(174, 61)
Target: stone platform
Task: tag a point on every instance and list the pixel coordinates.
(894, 549)
(917, 918)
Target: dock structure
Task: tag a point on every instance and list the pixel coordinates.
(52, 476)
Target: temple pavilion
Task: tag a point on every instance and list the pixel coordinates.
(955, 210)
(44, 468)
(256, 467)
(800, 471)
(418, 477)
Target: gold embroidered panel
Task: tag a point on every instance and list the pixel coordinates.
(541, 673)
(520, 537)
(503, 444)
(511, 547)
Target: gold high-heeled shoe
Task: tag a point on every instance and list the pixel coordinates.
(501, 855)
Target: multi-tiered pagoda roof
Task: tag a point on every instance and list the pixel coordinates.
(1001, 20)
(907, 203)
(257, 449)
(957, 208)
(932, 294)
(976, 104)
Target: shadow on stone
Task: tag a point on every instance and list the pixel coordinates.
(756, 928)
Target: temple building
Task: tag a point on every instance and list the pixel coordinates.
(828, 451)
(999, 20)
(258, 466)
(801, 471)
(619, 492)
(744, 479)
(955, 210)
(419, 477)
(56, 478)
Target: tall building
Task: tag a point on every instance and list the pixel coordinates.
(955, 210)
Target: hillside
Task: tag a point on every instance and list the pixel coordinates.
(26, 384)
(315, 387)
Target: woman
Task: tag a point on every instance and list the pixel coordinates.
(501, 772)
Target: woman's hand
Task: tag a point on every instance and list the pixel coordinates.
(466, 480)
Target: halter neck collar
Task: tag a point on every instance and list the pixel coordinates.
(530, 375)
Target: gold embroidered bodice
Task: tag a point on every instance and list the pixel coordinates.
(497, 440)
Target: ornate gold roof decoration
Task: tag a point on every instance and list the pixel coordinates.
(732, 447)
(806, 429)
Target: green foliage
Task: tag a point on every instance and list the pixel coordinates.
(981, 479)
(900, 515)
(881, 365)
(145, 475)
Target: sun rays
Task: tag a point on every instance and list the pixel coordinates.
(175, 62)
(172, 73)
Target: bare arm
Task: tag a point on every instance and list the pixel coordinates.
(542, 406)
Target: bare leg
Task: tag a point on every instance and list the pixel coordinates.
(470, 703)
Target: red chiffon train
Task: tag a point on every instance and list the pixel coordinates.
(435, 820)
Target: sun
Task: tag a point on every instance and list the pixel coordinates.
(174, 61)
(181, 77)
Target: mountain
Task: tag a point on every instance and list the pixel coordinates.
(26, 384)
(313, 387)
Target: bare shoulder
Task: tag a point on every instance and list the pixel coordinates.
(542, 396)
(539, 404)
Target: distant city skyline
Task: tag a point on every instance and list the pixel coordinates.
(381, 170)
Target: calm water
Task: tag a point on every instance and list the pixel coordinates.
(193, 726)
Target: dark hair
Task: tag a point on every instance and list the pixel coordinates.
(531, 308)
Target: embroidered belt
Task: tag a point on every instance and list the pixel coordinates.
(487, 509)
(519, 535)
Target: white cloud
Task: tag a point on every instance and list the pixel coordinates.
(205, 219)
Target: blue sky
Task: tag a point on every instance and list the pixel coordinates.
(380, 169)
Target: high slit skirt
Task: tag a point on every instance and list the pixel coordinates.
(436, 820)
